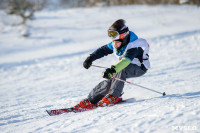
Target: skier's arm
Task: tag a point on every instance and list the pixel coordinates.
(127, 59)
(101, 52)
(123, 63)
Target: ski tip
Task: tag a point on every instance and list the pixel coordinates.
(48, 112)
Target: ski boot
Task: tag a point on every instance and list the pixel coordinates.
(85, 103)
(109, 100)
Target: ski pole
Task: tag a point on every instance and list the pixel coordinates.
(133, 83)
(140, 86)
(98, 66)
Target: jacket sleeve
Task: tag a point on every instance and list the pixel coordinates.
(134, 53)
(127, 59)
(101, 52)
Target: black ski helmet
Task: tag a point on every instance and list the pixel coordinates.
(122, 32)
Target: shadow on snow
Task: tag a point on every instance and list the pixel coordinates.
(6, 66)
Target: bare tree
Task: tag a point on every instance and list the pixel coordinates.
(23, 8)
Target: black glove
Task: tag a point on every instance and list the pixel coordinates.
(109, 73)
(88, 62)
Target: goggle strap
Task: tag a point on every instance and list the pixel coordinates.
(124, 30)
(123, 27)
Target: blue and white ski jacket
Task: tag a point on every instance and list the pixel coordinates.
(136, 51)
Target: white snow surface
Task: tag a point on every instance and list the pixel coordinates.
(44, 71)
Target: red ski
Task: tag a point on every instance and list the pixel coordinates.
(69, 110)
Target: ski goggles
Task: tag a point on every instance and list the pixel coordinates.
(115, 35)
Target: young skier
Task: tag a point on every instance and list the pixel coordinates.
(133, 61)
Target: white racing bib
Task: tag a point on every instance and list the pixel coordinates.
(135, 44)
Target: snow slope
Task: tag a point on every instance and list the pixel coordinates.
(45, 71)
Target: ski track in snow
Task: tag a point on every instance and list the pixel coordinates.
(45, 71)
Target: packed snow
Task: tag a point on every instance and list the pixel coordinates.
(44, 71)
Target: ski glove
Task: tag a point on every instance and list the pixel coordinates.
(88, 62)
(109, 72)
(123, 63)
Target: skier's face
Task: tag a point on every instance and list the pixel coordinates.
(117, 44)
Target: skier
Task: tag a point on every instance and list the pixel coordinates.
(132, 53)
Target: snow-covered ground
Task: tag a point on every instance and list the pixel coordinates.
(44, 71)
